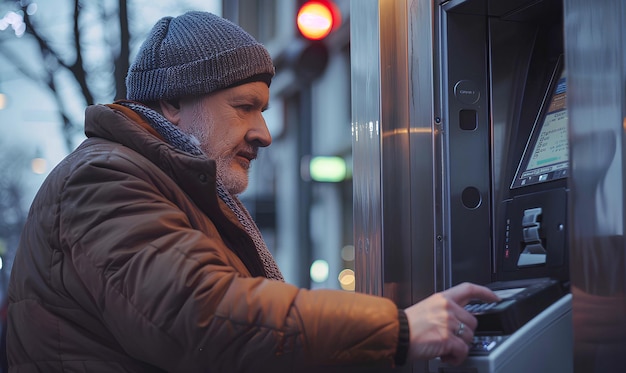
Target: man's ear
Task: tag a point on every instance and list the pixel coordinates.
(170, 110)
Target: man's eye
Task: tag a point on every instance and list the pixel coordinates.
(246, 108)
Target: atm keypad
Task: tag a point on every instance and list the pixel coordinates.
(480, 307)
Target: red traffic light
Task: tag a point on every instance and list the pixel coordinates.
(317, 18)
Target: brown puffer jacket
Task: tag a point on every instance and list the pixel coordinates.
(124, 266)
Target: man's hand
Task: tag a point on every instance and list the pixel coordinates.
(441, 327)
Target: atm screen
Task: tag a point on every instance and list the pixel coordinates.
(546, 156)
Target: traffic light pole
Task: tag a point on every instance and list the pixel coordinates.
(305, 187)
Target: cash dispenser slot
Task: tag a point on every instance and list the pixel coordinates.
(533, 243)
(533, 252)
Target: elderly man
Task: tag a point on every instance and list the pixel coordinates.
(138, 256)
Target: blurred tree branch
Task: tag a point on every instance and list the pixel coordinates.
(53, 61)
(13, 162)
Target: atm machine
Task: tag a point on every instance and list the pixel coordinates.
(504, 90)
(461, 168)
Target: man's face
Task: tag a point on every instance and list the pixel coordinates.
(230, 127)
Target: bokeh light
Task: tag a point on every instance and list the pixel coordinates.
(319, 271)
(347, 280)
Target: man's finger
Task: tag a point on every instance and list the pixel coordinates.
(458, 352)
(465, 292)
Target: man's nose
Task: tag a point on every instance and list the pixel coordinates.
(259, 134)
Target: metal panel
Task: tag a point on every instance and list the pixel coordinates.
(466, 118)
(366, 145)
(394, 149)
(596, 70)
(395, 152)
(392, 124)
(396, 160)
(424, 131)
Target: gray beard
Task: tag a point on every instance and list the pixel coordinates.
(233, 183)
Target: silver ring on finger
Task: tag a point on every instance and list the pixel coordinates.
(459, 332)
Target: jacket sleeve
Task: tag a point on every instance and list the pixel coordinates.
(174, 296)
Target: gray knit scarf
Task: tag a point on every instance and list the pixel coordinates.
(189, 144)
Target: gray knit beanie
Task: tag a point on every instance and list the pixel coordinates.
(193, 54)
